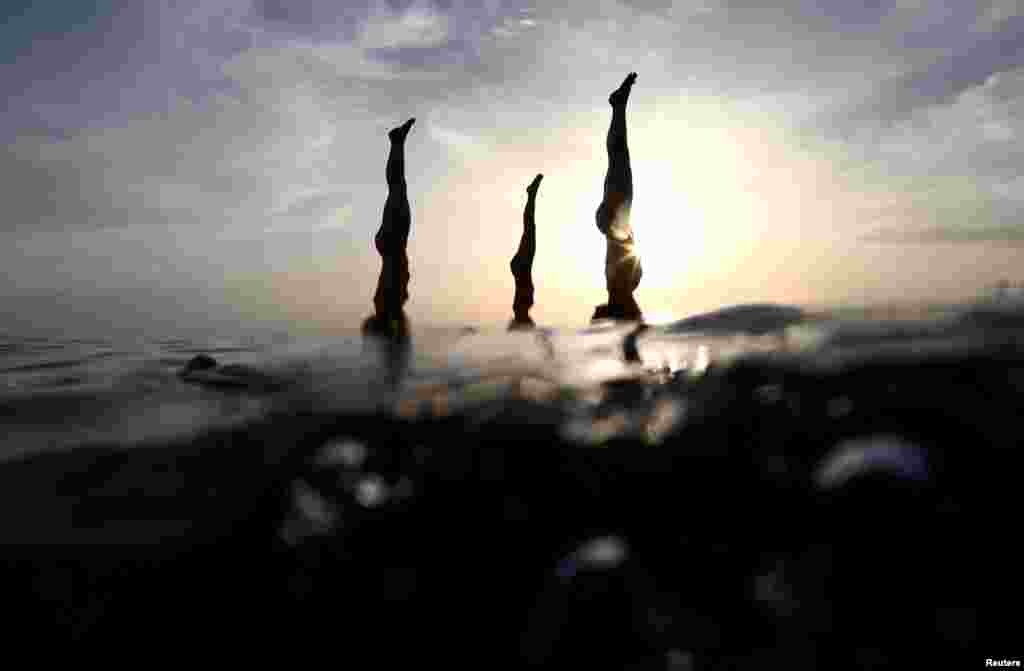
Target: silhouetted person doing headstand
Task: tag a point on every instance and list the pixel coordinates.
(622, 266)
(391, 240)
(522, 262)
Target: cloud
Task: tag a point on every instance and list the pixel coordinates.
(951, 170)
(975, 134)
(416, 27)
(313, 214)
(1005, 234)
(959, 69)
(315, 71)
(453, 138)
(292, 119)
(224, 162)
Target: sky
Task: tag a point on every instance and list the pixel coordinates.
(212, 163)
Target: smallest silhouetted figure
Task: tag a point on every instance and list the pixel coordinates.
(392, 237)
(522, 262)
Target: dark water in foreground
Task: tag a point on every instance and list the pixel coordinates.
(751, 488)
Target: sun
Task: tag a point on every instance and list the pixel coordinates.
(670, 231)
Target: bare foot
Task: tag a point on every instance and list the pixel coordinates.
(398, 134)
(620, 95)
(531, 190)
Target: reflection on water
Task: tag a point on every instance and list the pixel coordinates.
(57, 393)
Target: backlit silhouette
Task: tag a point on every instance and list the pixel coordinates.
(622, 266)
(522, 262)
(391, 240)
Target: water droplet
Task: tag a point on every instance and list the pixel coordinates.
(371, 491)
(313, 506)
(871, 454)
(604, 552)
(343, 452)
(310, 515)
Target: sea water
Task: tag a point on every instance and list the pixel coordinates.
(753, 479)
(59, 392)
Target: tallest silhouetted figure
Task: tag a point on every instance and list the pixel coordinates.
(622, 269)
(391, 241)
